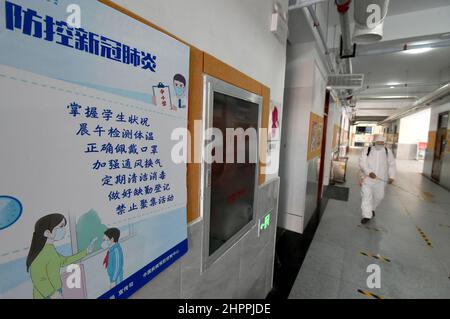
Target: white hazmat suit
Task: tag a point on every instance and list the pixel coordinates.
(380, 161)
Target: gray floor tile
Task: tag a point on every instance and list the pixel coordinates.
(326, 258)
(334, 266)
(312, 284)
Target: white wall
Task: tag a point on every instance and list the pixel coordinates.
(237, 33)
(334, 118)
(304, 93)
(414, 128)
(234, 31)
(300, 65)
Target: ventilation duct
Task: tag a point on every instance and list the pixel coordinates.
(347, 47)
(345, 81)
(369, 20)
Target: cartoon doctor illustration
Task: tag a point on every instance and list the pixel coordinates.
(179, 84)
(44, 263)
(113, 261)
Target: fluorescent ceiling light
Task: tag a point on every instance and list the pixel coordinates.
(418, 51)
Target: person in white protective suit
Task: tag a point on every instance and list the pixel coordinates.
(377, 165)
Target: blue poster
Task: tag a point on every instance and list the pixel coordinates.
(92, 204)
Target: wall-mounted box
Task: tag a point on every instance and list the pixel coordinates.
(279, 27)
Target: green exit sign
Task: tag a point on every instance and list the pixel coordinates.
(266, 223)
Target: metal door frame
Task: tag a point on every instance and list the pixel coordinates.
(435, 147)
(211, 85)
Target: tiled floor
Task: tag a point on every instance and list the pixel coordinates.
(334, 266)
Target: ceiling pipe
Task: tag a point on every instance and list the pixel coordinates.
(299, 4)
(311, 16)
(343, 7)
(404, 47)
(376, 108)
(348, 67)
(347, 47)
(403, 85)
(318, 28)
(422, 103)
(387, 97)
(369, 16)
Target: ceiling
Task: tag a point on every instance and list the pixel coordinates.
(431, 68)
(404, 6)
(299, 30)
(422, 72)
(396, 7)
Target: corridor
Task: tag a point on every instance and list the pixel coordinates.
(209, 149)
(409, 238)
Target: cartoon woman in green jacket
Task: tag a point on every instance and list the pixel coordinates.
(44, 263)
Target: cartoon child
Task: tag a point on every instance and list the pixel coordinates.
(113, 261)
(44, 263)
(179, 83)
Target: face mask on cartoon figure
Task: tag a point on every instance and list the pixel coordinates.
(105, 244)
(179, 91)
(60, 233)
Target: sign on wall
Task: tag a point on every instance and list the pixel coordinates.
(336, 132)
(315, 136)
(274, 138)
(431, 141)
(91, 203)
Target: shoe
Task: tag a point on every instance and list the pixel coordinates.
(365, 221)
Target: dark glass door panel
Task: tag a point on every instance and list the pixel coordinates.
(232, 184)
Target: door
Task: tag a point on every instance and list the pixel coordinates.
(232, 118)
(439, 149)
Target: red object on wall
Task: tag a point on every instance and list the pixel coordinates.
(343, 8)
(423, 146)
(233, 197)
